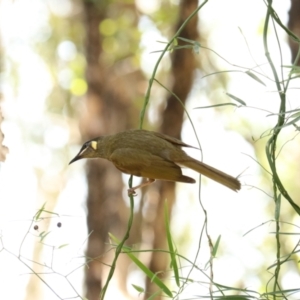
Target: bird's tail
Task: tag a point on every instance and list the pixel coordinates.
(212, 173)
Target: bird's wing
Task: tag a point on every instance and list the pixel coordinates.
(142, 163)
(172, 140)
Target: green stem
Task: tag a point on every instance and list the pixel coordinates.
(120, 246)
(271, 150)
(151, 80)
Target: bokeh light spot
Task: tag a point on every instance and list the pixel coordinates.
(78, 87)
(108, 27)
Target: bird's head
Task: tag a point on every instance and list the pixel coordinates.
(90, 149)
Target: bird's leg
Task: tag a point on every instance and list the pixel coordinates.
(131, 191)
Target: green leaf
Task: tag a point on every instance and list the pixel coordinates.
(286, 112)
(51, 212)
(290, 123)
(174, 265)
(216, 246)
(216, 105)
(38, 214)
(236, 99)
(183, 47)
(43, 235)
(295, 115)
(138, 288)
(41, 210)
(145, 269)
(294, 69)
(187, 40)
(252, 75)
(62, 246)
(153, 296)
(235, 297)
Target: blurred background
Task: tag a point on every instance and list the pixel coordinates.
(72, 70)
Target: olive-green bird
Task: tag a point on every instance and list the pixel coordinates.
(151, 155)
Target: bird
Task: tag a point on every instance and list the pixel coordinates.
(151, 155)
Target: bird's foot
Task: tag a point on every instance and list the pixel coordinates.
(131, 192)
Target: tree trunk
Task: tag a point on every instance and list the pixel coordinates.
(183, 66)
(294, 26)
(108, 109)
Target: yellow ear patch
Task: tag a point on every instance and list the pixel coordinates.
(94, 145)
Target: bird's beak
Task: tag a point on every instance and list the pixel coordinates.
(77, 157)
(83, 153)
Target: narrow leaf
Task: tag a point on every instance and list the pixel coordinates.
(295, 115)
(146, 270)
(38, 214)
(236, 99)
(174, 265)
(216, 246)
(252, 75)
(290, 123)
(216, 105)
(138, 288)
(186, 40)
(43, 236)
(62, 246)
(154, 296)
(235, 297)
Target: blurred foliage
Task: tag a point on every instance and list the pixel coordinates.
(59, 42)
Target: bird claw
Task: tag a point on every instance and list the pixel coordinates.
(131, 192)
